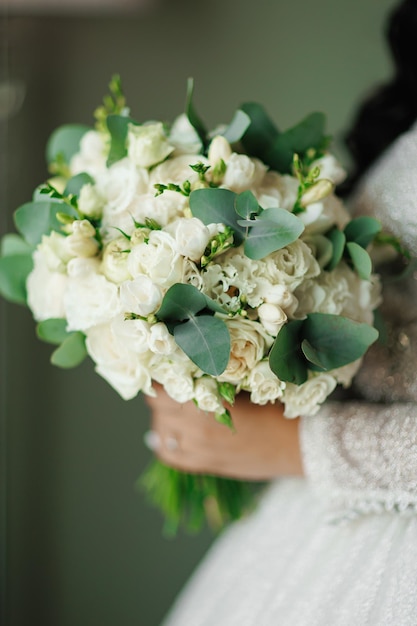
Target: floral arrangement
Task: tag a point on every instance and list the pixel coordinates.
(209, 262)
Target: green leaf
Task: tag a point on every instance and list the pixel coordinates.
(362, 230)
(35, 219)
(65, 142)
(190, 112)
(181, 302)
(213, 206)
(246, 205)
(360, 259)
(14, 270)
(53, 330)
(309, 133)
(237, 127)
(226, 419)
(14, 244)
(71, 352)
(338, 240)
(262, 132)
(272, 230)
(75, 184)
(323, 248)
(311, 354)
(205, 340)
(285, 358)
(118, 126)
(337, 340)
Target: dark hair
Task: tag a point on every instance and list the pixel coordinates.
(392, 108)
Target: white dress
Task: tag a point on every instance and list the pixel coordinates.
(338, 548)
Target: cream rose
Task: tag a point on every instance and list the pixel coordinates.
(160, 340)
(92, 155)
(140, 295)
(191, 237)
(45, 290)
(243, 172)
(291, 265)
(305, 399)
(263, 384)
(158, 259)
(90, 202)
(114, 261)
(272, 318)
(147, 144)
(249, 342)
(207, 396)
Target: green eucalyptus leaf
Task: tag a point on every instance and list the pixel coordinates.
(362, 230)
(205, 340)
(237, 127)
(214, 206)
(35, 219)
(118, 126)
(285, 358)
(246, 205)
(322, 247)
(337, 340)
(14, 270)
(338, 241)
(14, 244)
(360, 259)
(262, 132)
(312, 355)
(65, 142)
(309, 133)
(71, 352)
(181, 302)
(75, 184)
(53, 330)
(273, 229)
(190, 112)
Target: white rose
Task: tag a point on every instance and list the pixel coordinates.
(191, 237)
(272, 318)
(280, 295)
(140, 296)
(243, 172)
(114, 261)
(55, 252)
(147, 145)
(158, 259)
(184, 137)
(263, 384)
(305, 399)
(207, 396)
(160, 340)
(82, 242)
(330, 168)
(115, 348)
(90, 298)
(120, 187)
(90, 202)
(177, 170)
(249, 343)
(164, 208)
(319, 217)
(45, 290)
(291, 265)
(92, 155)
(277, 190)
(175, 373)
(219, 150)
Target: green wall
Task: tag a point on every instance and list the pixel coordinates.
(82, 548)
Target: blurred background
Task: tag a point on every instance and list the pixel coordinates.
(80, 546)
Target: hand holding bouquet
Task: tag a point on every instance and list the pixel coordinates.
(208, 262)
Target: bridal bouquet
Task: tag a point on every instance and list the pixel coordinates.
(209, 262)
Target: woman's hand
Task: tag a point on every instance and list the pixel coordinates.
(263, 446)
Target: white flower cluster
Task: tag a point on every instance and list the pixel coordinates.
(112, 291)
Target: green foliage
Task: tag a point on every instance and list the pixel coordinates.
(192, 115)
(14, 244)
(261, 133)
(351, 244)
(237, 127)
(321, 342)
(118, 126)
(71, 352)
(189, 316)
(114, 103)
(53, 330)
(14, 270)
(189, 501)
(272, 230)
(75, 184)
(62, 145)
(35, 219)
(246, 205)
(214, 206)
